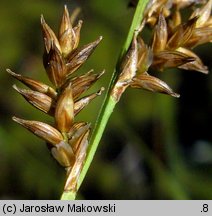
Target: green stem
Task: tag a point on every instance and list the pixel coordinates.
(109, 102)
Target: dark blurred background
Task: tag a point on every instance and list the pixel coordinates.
(154, 146)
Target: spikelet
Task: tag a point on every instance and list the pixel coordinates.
(170, 47)
(68, 140)
(128, 71)
(173, 40)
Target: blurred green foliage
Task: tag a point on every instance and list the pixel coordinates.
(154, 147)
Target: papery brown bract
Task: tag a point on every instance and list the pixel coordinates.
(196, 64)
(77, 30)
(170, 59)
(39, 100)
(74, 173)
(199, 36)
(34, 84)
(64, 154)
(55, 66)
(42, 130)
(128, 70)
(160, 35)
(79, 56)
(151, 83)
(82, 102)
(78, 135)
(182, 34)
(82, 83)
(49, 36)
(66, 34)
(145, 56)
(203, 14)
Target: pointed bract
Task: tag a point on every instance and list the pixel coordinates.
(65, 22)
(169, 59)
(182, 34)
(73, 174)
(153, 84)
(55, 66)
(145, 56)
(196, 64)
(199, 36)
(83, 83)
(128, 70)
(49, 36)
(66, 34)
(42, 130)
(34, 84)
(203, 14)
(79, 56)
(77, 30)
(77, 135)
(160, 36)
(37, 99)
(83, 102)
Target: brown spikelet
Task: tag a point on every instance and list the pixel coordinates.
(64, 111)
(169, 47)
(68, 140)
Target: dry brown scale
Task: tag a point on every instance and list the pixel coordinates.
(68, 140)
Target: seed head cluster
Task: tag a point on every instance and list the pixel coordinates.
(171, 45)
(67, 139)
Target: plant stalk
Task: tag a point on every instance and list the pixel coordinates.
(109, 102)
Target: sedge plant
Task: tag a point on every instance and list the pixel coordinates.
(71, 142)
